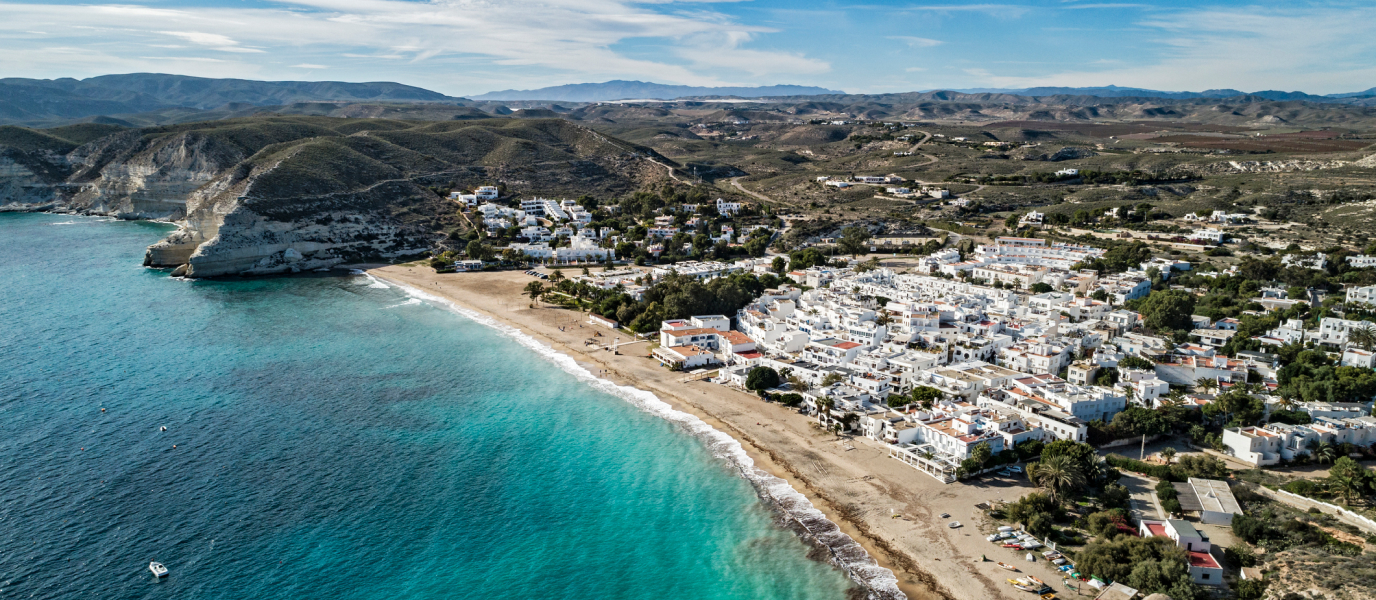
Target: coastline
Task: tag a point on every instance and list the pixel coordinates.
(876, 517)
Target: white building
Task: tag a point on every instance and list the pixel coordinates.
(1361, 295)
(1316, 261)
(1209, 234)
(1361, 261)
(727, 209)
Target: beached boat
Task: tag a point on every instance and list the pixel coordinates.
(157, 569)
(1026, 585)
(1007, 566)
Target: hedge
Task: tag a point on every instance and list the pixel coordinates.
(1162, 472)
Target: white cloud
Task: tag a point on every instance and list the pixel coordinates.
(308, 66)
(1318, 50)
(213, 41)
(547, 41)
(917, 42)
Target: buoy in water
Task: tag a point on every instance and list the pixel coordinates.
(164, 428)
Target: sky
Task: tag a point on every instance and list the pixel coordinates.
(468, 47)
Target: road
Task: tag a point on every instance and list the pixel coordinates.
(1143, 491)
(736, 181)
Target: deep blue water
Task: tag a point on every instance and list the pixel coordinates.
(328, 437)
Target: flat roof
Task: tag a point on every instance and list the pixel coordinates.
(1203, 559)
(1215, 496)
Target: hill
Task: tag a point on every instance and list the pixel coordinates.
(624, 90)
(283, 193)
(37, 100)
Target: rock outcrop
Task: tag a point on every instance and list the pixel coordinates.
(284, 194)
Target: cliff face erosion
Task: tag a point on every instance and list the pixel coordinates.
(281, 194)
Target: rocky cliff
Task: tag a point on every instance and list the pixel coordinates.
(280, 194)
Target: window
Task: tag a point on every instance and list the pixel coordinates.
(1205, 577)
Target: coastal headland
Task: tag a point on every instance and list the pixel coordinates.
(892, 510)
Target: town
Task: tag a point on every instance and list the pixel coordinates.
(1054, 362)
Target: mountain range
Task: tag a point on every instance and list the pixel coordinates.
(629, 90)
(141, 99)
(40, 99)
(1113, 91)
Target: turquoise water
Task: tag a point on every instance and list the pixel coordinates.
(331, 437)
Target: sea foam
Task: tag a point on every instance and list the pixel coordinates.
(810, 523)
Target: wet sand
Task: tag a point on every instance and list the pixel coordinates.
(890, 508)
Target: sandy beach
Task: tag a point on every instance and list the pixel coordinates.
(891, 509)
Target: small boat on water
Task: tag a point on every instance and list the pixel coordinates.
(157, 569)
(1008, 566)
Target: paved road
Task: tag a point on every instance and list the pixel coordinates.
(1143, 491)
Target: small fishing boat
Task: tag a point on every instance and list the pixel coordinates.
(157, 569)
(1007, 566)
(1025, 585)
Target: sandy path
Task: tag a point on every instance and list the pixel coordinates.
(852, 480)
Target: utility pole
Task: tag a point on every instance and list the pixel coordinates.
(1142, 455)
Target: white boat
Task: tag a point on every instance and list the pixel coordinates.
(157, 569)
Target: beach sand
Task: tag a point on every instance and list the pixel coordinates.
(850, 479)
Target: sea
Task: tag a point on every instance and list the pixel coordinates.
(336, 436)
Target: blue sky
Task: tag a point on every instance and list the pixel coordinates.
(467, 47)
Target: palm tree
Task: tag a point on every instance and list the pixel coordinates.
(1363, 335)
(1168, 454)
(1057, 474)
(556, 276)
(1325, 453)
(1348, 486)
(1206, 383)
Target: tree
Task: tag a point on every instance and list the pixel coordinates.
(1325, 453)
(535, 289)
(1363, 335)
(1206, 383)
(1349, 479)
(1136, 362)
(797, 384)
(1170, 309)
(556, 276)
(853, 240)
(1058, 475)
(761, 378)
(925, 396)
(1081, 455)
(981, 453)
(779, 265)
(1168, 454)
(477, 250)
(1041, 288)
(832, 379)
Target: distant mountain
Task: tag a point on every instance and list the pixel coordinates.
(1113, 91)
(35, 100)
(633, 90)
(1368, 93)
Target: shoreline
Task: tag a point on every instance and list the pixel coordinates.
(803, 517)
(876, 516)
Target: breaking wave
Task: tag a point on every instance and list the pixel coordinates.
(794, 507)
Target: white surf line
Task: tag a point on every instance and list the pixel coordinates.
(846, 553)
